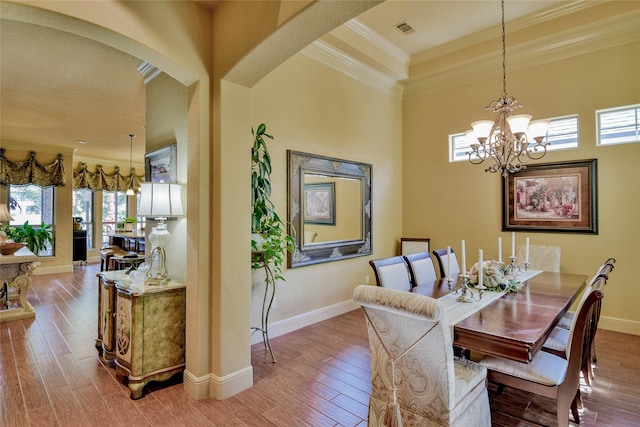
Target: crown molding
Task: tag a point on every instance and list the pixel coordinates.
(377, 41)
(572, 42)
(532, 20)
(332, 57)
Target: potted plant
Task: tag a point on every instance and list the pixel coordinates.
(269, 240)
(36, 239)
(129, 223)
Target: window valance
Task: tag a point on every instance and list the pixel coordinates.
(100, 180)
(31, 171)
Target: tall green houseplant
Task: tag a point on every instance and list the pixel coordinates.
(270, 240)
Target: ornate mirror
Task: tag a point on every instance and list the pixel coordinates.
(329, 208)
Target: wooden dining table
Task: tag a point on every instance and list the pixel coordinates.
(516, 325)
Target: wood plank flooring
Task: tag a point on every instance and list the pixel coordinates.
(50, 375)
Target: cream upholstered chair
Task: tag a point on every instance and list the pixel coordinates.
(541, 257)
(548, 375)
(392, 273)
(421, 268)
(441, 256)
(414, 375)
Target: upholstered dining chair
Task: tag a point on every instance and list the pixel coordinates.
(421, 268)
(441, 256)
(548, 375)
(541, 257)
(558, 340)
(415, 378)
(391, 273)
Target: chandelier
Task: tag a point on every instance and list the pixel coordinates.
(510, 141)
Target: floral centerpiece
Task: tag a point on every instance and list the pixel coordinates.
(494, 277)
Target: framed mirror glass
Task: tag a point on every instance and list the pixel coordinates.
(329, 208)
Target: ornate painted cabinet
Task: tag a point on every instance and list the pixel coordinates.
(149, 333)
(106, 341)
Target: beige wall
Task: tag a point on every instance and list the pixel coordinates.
(166, 124)
(452, 201)
(312, 108)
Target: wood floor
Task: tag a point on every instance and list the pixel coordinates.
(50, 375)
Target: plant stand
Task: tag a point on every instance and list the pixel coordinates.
(267, 302)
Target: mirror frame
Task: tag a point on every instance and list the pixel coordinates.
(298, 164)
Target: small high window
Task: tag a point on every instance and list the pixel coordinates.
(562, 135)
(619, 125)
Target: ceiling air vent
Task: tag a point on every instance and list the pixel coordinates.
(404, 27)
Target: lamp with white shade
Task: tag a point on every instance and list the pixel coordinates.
(159, 200)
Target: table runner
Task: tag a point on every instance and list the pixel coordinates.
(457, 311)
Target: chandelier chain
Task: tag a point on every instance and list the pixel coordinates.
(504, 56)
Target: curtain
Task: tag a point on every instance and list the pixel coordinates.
(100, 180)
(31, 171)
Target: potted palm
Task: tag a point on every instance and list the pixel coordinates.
(270, 240)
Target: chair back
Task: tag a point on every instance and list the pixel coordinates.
(577, 343)
(391, 273)
(409, 329)
(583, 318)
(441, 256)
(421, 268)
(541, 257)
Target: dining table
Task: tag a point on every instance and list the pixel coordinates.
(512, 325)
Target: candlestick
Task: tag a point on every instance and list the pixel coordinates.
(500, 250)
(464, 258)
(526, 251)
(480, 273)
(449, 262)
(513, 244)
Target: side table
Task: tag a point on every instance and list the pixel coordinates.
(15, 270)
(150, 337)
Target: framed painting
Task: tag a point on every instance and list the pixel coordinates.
(552, 197)
(320, 203)
(160, 165)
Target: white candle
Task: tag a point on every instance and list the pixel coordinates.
(513, 244)
(464, 259)
(500, 249)
(449, 262)
(526, 251)
(480, 274)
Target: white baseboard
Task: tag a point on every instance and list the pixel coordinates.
(219, 388)
(196, 387)
(619, 325)
(291, 324)
(229, 385)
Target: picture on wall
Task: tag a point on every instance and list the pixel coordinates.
(160, 165)
(319, 203)
(552, 197)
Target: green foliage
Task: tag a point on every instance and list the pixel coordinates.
(36, 239)
(265, 221)
(130, 220)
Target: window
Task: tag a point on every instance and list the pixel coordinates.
(618, 125)
(83, 208)
(562, 134)
(33, 204)
(114, 209)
